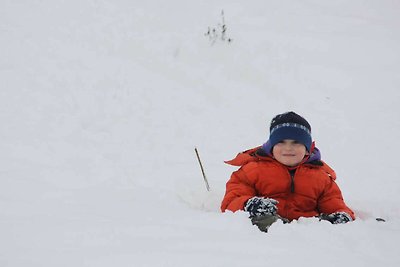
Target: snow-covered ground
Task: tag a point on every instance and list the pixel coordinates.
(102, 103)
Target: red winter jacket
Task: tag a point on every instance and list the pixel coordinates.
(309, 192)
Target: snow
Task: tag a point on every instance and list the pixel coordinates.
(103, 102)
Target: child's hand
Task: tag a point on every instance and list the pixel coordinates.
(337, 217)
(259, 206)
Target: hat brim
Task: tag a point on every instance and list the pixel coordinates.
(291, 133)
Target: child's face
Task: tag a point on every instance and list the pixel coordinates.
(289, 152)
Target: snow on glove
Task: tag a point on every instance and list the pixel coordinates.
(259, 206)
(338, 217)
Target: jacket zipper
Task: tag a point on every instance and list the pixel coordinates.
(292, 187)
(292, 172)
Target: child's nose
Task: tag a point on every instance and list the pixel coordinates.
(288, 146)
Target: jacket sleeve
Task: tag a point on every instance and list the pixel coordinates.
(332, 201)
(239, 189)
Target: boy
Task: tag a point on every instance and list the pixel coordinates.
(285, 178)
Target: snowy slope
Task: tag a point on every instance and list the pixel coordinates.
(102, 103)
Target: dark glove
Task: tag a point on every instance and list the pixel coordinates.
(264, 222)
(337, 217)
(259, 206)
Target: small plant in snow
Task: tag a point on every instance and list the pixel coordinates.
(219, 32)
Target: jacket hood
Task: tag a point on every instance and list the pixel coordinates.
(260, 153)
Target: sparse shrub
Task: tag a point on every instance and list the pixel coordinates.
(218, 33)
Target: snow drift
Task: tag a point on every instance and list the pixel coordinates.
(103, 102)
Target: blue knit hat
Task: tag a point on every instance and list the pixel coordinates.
(292, 126)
